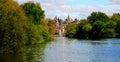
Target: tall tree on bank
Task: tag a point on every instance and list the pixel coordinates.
(34, 12)
(12, 23)
(17, 29)
(39, 32)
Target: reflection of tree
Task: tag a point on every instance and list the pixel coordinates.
(13, 58)
(34, 53)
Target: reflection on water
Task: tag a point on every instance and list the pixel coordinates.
(12, 58)
(34, 53)
(69, 50)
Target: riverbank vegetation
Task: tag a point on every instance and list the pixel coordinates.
(21, 25)
(97, 25)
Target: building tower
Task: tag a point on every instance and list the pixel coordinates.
(68, 19)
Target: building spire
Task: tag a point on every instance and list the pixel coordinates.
(69, 19)
(31, 0)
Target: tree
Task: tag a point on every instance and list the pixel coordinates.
(110, 24)
(87, 30)
(97, 25)
(52, 25)
(33, 11)
(96, 16)
(116, 18)
(109, 30)
(108, 33)
(12, 23)
(96, 29)
(38, 26)
(44, 23)
(79, 31)
(71, 30)
(17, 30)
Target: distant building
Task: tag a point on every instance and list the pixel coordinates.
(76, 20)
(56, 20)
(68, 19)
(59, 25)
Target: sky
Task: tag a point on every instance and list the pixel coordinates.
(76, 8)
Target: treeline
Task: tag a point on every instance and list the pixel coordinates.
(97, 25)
(22, 25)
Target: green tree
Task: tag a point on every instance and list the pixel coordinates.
(109, 29)
(38, 30)
(96, 29)
(87, 30)
(87, 27)
(79, 31)
(96, 16)
(44, 23)
(33, 11)
(110, 24)
(97, 25)
(116, 18)
(12, 23)
(18, 30)
(71, 30)
(108, 33)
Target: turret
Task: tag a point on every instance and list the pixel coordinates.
(68, 19)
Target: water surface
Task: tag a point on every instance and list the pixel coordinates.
(63, 49)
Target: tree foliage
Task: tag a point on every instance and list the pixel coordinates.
(12, 23)
(96, 16)
(71, 30)
(17, 28)
(52, 25)
(97, 25)
(33, 11)
(116, 18)
(87, 29)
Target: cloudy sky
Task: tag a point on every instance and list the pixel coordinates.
(77, 8)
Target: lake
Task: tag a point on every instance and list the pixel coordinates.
(63, 49)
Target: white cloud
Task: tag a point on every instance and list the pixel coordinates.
(55, 2)
(74, 11)
(117, 9)
(62, 9)
(68, 8)
(21, 1)
(116, 2)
